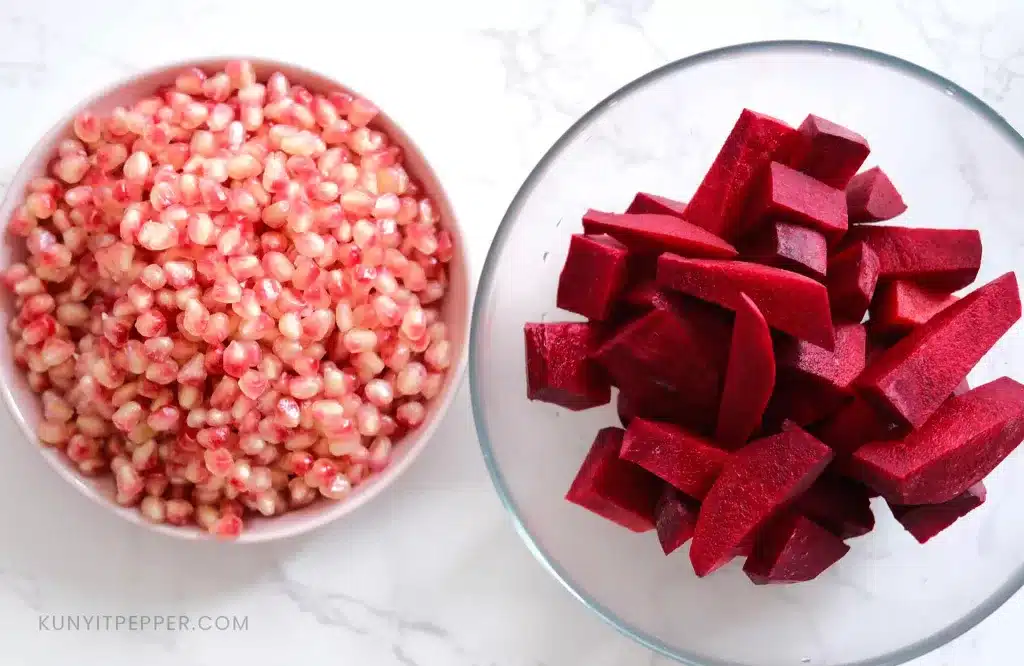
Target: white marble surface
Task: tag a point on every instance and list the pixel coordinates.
(431, 574)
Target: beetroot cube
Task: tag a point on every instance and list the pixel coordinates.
(829, 152)
(851, 281)
(758, 481)
(675, 518)
(789, 302)
(647, 398)
(785, 194)
(900, 305)
(793, 549)
(613, 488)
(853, 425)
(557, 368)
(625, 409)
(657, 233)
(965, 440)
(754, 142)
(593, 276)
(927, 520)
(749, 379)
(912, 378)
(645, 202)
(686, 460)
(840, 505)
(943, 259)
(789, 246)
(871, 197)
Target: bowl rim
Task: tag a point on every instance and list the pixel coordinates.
(487, 277)
(456, 372)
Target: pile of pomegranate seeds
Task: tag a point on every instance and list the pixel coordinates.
(230, 298)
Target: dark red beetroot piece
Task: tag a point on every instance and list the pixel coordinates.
(871, 197)
(685, 460)
(645, 202)
(657, 233)
(828, 152)
(754, 142)
(852, 278)
(789, 246)
(927, 520)
(958, 447)
(749, 379)
(853, 425)
(679, 350)
(625, 409)
(757, 482)
(912, 378)
(943, 259)
(675, 518)
(785, 194)
(557, 368)
(900, 305)
(613, 488)
(838, 504)
(593, 276)
(793, 549)
(789, 302)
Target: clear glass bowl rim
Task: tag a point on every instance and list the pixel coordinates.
(998, 122)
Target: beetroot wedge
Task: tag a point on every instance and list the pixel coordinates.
(927, 520)
(912, 378)
(789, 246)
(754, 142)
(900, 305)
(944, 259)
(675, 518)
(593, 276)
(829, 152)
(803, 312)
(786, 194)
(557, 368)
(749, 379)
(965, 440)
(613, 488)
(758, 481)
(685, 460)
(852, 278)
(657, 233)
(793, 549)
(645, 202)
(840, 505)
(853, 425)
(871, 197)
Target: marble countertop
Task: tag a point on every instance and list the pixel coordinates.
(432, 574)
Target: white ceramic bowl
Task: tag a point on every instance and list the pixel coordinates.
(25, 405)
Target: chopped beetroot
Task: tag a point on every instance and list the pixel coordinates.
(851, 281)
(675, 518)
(756, 483)
(785, 194)
(749, 379)
(647, 295)
(900, 305)
(956, 448)
(645, 202)
(793, 549)
(927, 520)
(853, 425)
(840, 505)
(871, 197)
(686, 460)
(789, 302)
(657, 233)
(647, 398)
(912, 378)
(788, 246)
(613, 488)
(828, 152)
(593, 276)
(943, 259)
(557, 368)
(754, 142)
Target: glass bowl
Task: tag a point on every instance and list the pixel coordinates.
(957, 163)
